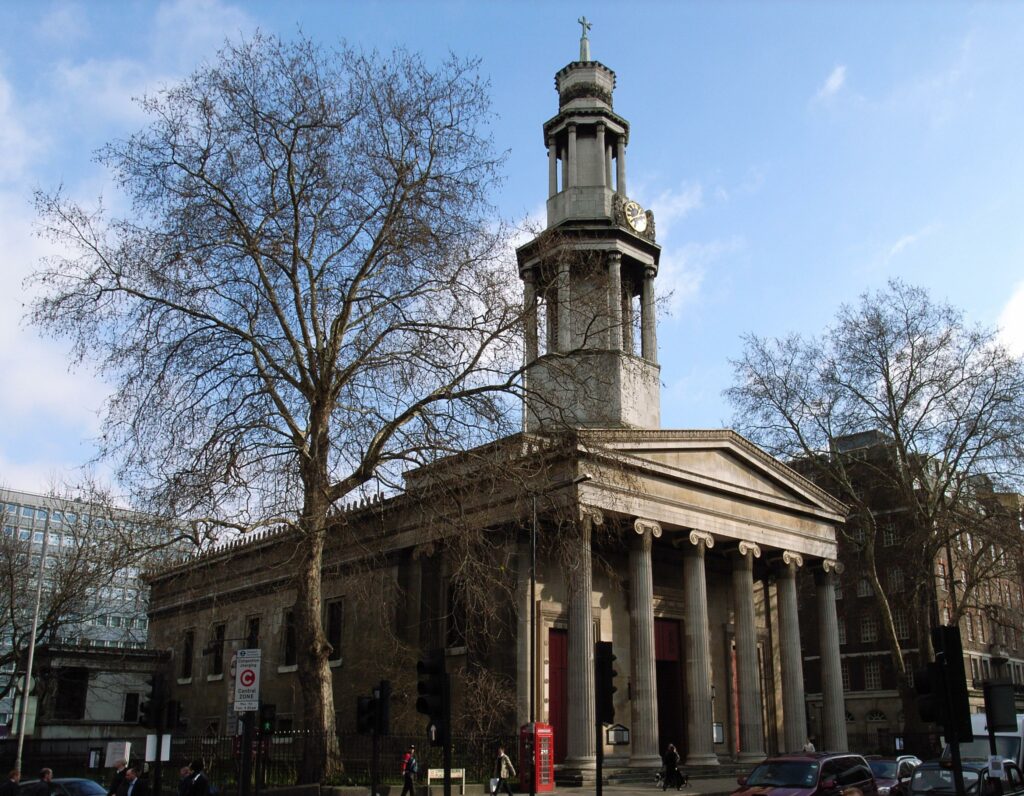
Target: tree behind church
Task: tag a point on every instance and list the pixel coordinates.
(306, 296)
(902, 410)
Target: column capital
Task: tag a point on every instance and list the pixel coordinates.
(702, 540)
(571, 128)
(745, 548)
(591, 513)
(642, 526)
(791, 560)
(615, 256)
(827, 569)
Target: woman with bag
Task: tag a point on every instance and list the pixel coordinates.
(503, 772)
(671, 777)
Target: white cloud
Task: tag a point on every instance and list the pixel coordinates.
(187, 31)
(18, 146)
(682, 269)
(674, 205)
(833, 83)
(909, 240)
(1011, 321)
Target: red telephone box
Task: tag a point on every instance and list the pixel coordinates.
(537, 757)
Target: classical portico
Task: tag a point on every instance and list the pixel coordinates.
(685, 545)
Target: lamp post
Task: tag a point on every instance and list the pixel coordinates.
(533, 614)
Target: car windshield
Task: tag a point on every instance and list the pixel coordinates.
(83, 787)
(884, 769)
(784, 774)
(940, 780)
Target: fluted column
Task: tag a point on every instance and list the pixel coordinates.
(700, 715)
(794, 710)
(615, 301)
(751, 730)
(564, 322)
(644, 706)
(607, 165)
(620, 165)
(600, 148)
(573, 166)
(552, 167)
(530, 316)
(648, 319)
(581, 743)
(833, 706)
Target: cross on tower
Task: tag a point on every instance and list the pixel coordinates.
(584, 40)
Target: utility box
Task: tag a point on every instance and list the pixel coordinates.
(537, 757)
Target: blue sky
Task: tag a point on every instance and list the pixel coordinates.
(795, 155)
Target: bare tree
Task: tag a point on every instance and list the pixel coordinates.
(307, 296)
(905, 412)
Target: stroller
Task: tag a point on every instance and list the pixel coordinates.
(681, 780)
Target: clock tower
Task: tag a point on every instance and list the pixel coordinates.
(588, 278)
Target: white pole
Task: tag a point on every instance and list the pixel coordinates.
(32, 640)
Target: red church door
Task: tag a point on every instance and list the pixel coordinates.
(668, 661)
(558, 688)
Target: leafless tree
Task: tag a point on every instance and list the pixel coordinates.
(307, 296)
(941, 404)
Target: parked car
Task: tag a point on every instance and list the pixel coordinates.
(892, 774)
(935, 778)
(810, 774)
(69, 786)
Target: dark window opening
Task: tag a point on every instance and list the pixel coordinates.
(290, 652)
(72, 687)
(334, 623)
(252, 633)
(187, 653)
(217, 664)
(131, 708)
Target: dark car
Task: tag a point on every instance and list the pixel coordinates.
(936, 779)
(892, 774)
(810, 774)
(69, 786)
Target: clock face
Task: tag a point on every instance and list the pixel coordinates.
(635, 215)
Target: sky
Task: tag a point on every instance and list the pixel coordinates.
(795, 155)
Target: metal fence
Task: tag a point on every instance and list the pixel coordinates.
(280, 757)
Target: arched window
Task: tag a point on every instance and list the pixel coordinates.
(876, 715)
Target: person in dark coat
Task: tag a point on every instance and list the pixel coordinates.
(42, 788)
(132, 785)
(120, 767)
(198, 785)
(671, 777)
(10, 786)
(184, 780)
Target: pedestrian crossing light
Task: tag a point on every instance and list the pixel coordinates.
(366, 715)
(604, 682)
(151, 709)
(433, 696)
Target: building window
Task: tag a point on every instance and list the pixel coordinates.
(975, 674)
(876, 715)
(334, 616)
(217, 649)
(986, 668)
(872, 676)
(895, 579)
(844, 670)
(888, 534)
(252, 632)
(289, 652)
(841, 623)
(131, 708)
(72, 690)
(187, 653)
(902, 623)
(864, 588)
(868, 629)
(857, 534)
(970, 627)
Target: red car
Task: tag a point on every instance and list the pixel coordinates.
(810, 774)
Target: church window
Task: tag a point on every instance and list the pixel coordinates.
(131, 708)
(872, 676)
(252, 632)
(876, 715)
(868, 629)
(289, 646)
(72, 689)
(217, 649)
(334, 616)
(188, 645)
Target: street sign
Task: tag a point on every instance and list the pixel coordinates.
(247, 681)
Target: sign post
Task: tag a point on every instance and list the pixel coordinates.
(247, 702)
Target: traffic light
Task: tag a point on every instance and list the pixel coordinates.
(950, 652)
(366, 715)
(268, 715)
(604, 682)
(382, 722)
(930, 685)
(433, 696)
(151, 709)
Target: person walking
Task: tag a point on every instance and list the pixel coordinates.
(198, 784)
(184, 780)
(132, 785)
(120, 767)
(503, 771)
(410, 768)
(42, 788)
(670, 777)
(10, 786)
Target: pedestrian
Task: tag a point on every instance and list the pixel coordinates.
(120, 767)
(184, 780)
(10, 786)
(670, 760)
(198, 784)
(809, 746)
(503, 772)
(42, 788)
(132, 785)
(410, 768)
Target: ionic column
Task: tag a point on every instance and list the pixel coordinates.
(628, 343)
(564, 322)
(580, 743)
(615, 301)
(644, 707)
(607, 165)
(552, 167)
(573, 174)
(530, 316)
(565, 168)
(833, 707)
(600, 148)
(620, 165)
(648, 321)
(794, 710)
(751, 731)
(700, 715)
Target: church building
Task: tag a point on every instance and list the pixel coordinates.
(680, 548)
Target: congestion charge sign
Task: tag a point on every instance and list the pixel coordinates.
(247, 681)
